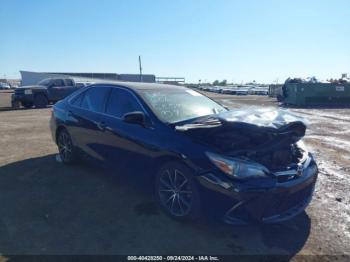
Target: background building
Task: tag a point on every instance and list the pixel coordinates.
(32, 78)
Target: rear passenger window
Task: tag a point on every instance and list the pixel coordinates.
(94, 98)
(121, 102)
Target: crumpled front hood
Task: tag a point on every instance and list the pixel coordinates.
(265, 118)
(252, 131)
(262, 117)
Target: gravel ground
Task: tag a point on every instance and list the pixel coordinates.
(49, 208)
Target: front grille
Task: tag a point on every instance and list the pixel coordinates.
(19, 91)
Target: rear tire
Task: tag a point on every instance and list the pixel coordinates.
(40, 101)
(177, 192)
(27, 105)
(15, 104)
(66, 149)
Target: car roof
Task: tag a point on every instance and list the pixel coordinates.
(138, 86)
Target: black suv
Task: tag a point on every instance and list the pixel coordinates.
(47, 91)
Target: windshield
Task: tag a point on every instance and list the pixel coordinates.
(44, 82)
(176, 105)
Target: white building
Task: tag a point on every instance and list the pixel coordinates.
(32, 78)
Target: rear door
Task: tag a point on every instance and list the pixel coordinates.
(85, 121)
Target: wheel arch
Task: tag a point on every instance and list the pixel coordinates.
(161, 161)
(40, 99)
(59, 129)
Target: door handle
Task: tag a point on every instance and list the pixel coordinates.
(69, 114)
(102, 126)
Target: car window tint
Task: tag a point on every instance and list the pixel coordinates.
(58, 82)
(69, 82)
(94, 99)
(121, 102)
(44, 82)
(77, 100)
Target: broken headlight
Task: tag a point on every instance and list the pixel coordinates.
(237, 168)
(302, 145)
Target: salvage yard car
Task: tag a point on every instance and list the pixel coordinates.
(47, 91)
(245, 165)
(4, 86)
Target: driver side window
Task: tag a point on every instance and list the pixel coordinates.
(121, 102)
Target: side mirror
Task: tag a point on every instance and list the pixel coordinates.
(136, 117)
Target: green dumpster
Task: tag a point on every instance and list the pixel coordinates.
(310, 94)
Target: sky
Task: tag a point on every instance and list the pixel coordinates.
(236, 40)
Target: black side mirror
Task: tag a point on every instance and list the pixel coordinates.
(136, 117)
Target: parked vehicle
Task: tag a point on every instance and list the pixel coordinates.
(4, 85)
(47, 91)
(212, 88)
(82, 84)
(262, 91)
(216, 89)
(228, 90)
(242, 92)
(205, 87)
(247, 166)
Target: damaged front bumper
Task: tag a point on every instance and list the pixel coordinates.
(269, 200)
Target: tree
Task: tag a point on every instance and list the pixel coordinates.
(223, 83)
(216, 83)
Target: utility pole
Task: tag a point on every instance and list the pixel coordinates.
(140, 68)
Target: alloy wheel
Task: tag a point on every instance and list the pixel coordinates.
(65, 146)
(175, 192)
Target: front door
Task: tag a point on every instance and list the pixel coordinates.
(127, 149)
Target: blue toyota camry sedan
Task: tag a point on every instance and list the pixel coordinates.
(244, 165)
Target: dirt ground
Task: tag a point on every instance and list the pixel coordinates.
(49, 208)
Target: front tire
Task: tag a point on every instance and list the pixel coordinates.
(27, 105)
(65, 147)
(177, 192)
(40, 101)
